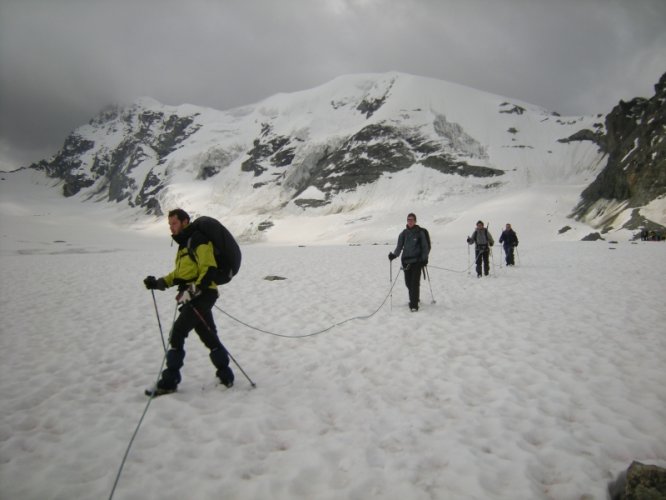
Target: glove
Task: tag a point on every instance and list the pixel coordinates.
(188, 294)
(516, 244)
(391, 256)
(492, 244)
(424, 262)
(154, 284)
(470, 240)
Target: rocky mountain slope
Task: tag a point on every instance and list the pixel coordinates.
(337, 148)
(632, 185)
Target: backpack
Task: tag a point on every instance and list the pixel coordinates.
(227, 252)
(427, 236)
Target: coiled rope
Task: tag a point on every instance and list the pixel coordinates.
(318, 332)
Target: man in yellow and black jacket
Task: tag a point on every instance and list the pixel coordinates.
(197, 293)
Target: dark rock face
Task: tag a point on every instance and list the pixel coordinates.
(362, 158)
(276, 150)
(508, 108)
(447, 165)
(384, 148)
(639, 482)
(635, 142)
(66, 165)
(592, 237)
(369, 105)
(587, 135)
(145, 133)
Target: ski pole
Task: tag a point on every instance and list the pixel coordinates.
(227, 350)
(391, 281)
(159, 323)
(427, 273)
(469, 266)
(517, 254)
(145, 410)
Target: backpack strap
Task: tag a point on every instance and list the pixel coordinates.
(190, 252)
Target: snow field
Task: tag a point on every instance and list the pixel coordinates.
(541, 381)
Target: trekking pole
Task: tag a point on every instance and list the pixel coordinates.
(427, 273)
(517, 254)
(145, 410)
(227, 350)
(501, 255)
(469, 266)
(240, 368)
(391, 281)
(491, 255)
(159, 323)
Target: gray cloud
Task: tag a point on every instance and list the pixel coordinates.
(62, 60)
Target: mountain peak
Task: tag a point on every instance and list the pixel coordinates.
(337, 148)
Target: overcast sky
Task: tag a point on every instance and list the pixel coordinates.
(61, 61)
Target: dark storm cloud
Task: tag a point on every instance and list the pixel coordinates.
(62, 60)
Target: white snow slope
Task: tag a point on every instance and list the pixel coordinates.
(542, 381)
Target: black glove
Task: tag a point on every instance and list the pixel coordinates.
(391, 256)
(424, 262)
(150, 282)
(153, 283)
(470, 240)
(492, 244)
(516, 244)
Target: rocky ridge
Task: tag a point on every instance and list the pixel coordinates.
(634, 143)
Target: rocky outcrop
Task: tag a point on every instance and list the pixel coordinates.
(275, 149)
(635, 173)
(384, 148)
(639, 482)
(108, 167)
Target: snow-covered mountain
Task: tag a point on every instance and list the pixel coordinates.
(355, 147)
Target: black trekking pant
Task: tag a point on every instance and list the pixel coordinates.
(482, 257)
(413, 283)
(508, 252)
(196, 315)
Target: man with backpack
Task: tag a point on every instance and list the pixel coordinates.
(509, 238)
(413, 244)
(483, 241)
(195, 274)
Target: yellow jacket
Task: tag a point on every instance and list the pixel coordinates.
(189, 270)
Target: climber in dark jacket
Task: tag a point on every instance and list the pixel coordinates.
(483, 241)
(413, 245)
(509, 238)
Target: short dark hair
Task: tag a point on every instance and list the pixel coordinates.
(180, 213)
(411, 215)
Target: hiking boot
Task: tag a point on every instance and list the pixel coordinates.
(155, 391)
(226, 377)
